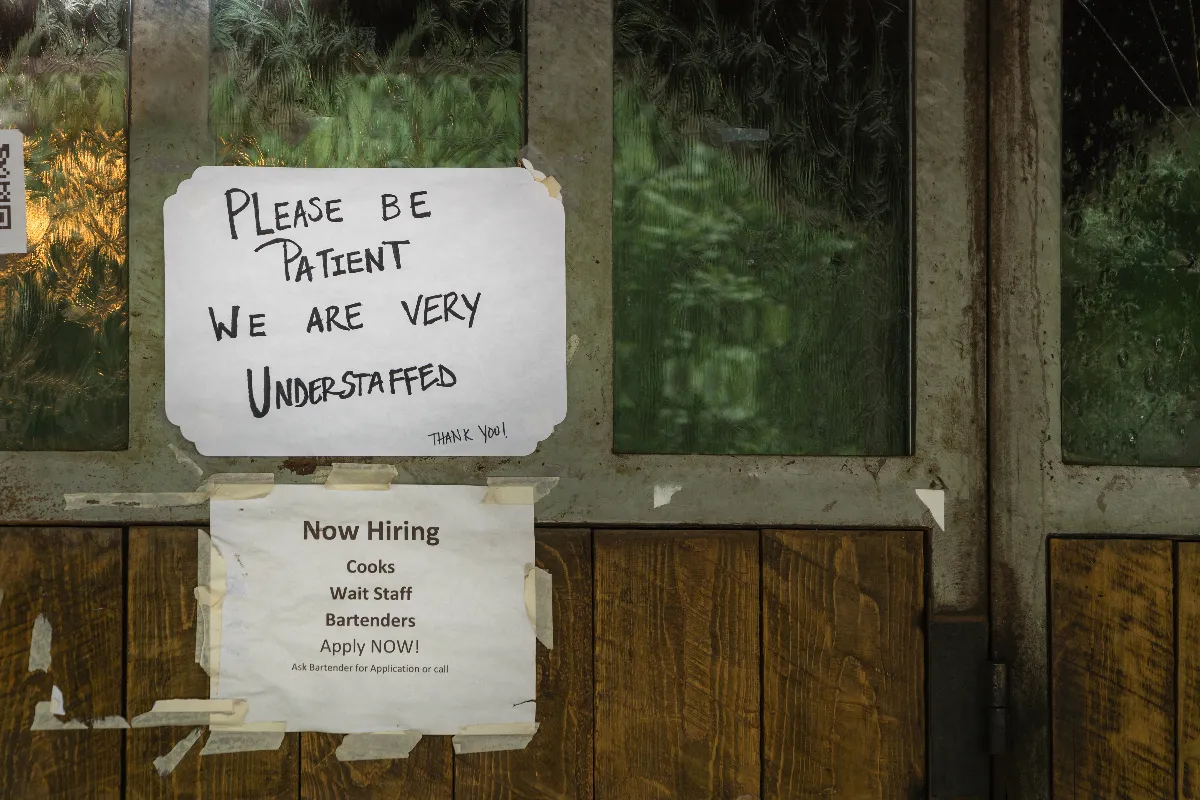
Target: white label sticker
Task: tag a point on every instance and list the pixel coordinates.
(352, 612)
(365, 311)
(12, 192)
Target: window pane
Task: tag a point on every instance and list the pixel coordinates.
(367, 83)
(64, 351)
(761, 239)
(1131, 233)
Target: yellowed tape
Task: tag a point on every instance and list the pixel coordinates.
(187, 713)
(518, 491)
(361, 477)
(238, 485)
(552, 186)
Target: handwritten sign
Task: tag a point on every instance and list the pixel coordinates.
(365, 311)
(353, 612)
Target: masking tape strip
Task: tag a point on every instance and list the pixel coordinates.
(165, 765)
(134, 499)
(539, 606)
(238, 485)
(518, 491)
(110, 723)
(45, 719)
(244, 738)
(361, 477)
(39, 645)
(491, 738)
(203, 591)
(210, 593)
(552, 186)
(380, 746)
(186, 713)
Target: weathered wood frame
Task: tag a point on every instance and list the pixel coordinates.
(1034, 494)
(569, 125)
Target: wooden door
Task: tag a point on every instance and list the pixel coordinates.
(687, 664)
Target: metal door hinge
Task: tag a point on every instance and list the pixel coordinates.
(997, 708)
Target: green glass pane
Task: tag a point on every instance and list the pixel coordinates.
(367, 83)
(64, 350)
(1131, 233)
(761, 235)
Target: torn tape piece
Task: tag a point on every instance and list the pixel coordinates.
(552, 186)
(214, 597)
(44, 719)
(539, 605)
(224, 739)
(663, 492)
(490, 738)
(203, 598)
(518, 491)
(39, 645)
(238, 485)
(380, 746)
(183, 458)
(134, 499)
(572, 346)
(165, 765)
(186, 713)
(935, 501)
(361, 477)
(56, 701)
(110, 723)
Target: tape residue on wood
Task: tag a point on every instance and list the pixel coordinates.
(39, 645)
(110, 723)
(518, 491)
(224, 739)
(384, 745)
(539, 605)
(166, 764)
(186, 713)
(491, 738)
(134, 499)
(361, 477)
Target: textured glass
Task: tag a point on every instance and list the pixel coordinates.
(367, 83)
(64, 350)
(1131, 233)
(761, 231)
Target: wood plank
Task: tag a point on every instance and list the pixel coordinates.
(557, 764)
(161, 666)
(677, 665)
(843, 664)
(73, 577)
(1112, 651)
(1187, 649)
(427, 773)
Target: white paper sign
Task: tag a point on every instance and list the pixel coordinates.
(365, 311)
(334, 621)
(12, 192)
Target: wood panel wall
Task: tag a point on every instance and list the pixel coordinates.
(687, 664)
(1125, 668)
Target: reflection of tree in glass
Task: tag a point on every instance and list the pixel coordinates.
(296, 84)
(63, 344)
(760, 239)
(1131, 234)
